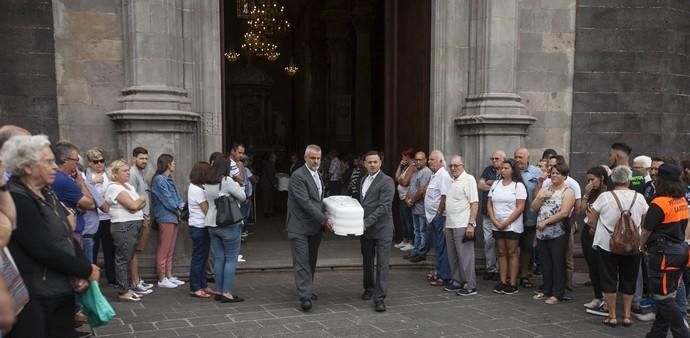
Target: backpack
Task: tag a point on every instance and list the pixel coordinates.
(625, 238)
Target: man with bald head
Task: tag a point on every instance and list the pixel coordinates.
(530, 177)
(490, 174)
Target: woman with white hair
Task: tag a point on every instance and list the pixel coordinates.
(127, 219)
(42, 246)
(617, 273)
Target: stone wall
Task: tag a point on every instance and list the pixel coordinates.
(88, 67)
(27, 67)
(632, 78)
(545, 72)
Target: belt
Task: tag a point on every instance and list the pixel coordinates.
(88, 235)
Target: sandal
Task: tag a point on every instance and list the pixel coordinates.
(526, 283)
(199, 294)
(437, 282)
(627, 322)
(431, 275)
(612, 322)
(538, 296)
(211, 292)
(552, 301)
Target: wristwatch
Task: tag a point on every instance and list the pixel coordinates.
(472, 224)
(4, 187)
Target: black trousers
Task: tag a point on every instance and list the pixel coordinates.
(552, 257)
(40, 318)
(665, 274)
(592, 263)
(104, 238)
(375, 265)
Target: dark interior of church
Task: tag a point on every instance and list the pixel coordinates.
(350, 75)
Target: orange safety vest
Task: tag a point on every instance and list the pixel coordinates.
(675, 208)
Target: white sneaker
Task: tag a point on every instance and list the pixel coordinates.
(645, 317)
(166, 283)
(176, 281)
(400, 245)
(594, 304)
(144, 285)
(407, 247)
(241, 259)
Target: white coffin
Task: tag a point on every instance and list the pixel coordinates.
(283, 180)
(347, 215)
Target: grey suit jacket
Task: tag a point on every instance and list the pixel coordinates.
(378, 204)
(305, 211)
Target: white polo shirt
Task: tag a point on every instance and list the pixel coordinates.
(462, 192)
(438, 186)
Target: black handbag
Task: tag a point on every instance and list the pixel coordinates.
(228, 210)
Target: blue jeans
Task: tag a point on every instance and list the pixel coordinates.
(200, 248)
(406, 220)
(226, 246)
(439, 241)
(420, 235)
(87, 244)
(246, 209)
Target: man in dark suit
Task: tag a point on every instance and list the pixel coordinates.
(306, 220)
(377, 191)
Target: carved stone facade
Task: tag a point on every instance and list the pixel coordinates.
(501, 74)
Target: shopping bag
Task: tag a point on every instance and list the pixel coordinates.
(95, 306)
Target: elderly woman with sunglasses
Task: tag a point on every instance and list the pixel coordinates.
(42, 246)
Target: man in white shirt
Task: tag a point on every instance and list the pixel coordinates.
(462, 204)
(642, 164)
(434, 209)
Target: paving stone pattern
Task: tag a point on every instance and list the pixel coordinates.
(414, 309)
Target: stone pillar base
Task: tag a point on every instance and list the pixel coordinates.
(481, 135)
(162, 131)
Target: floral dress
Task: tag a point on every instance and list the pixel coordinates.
(550, 207)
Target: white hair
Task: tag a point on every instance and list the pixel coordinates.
(644, 160)
(500, 153)
(22, 151)
(440, 155)
(457, 157)
(312, 147)
(621, 175)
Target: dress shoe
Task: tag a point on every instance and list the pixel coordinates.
(314, 296)
(380, 306)
(305, 305)
(408, 256)
(416, 259)
(366, 295)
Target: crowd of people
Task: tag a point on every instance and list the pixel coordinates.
(61, 213)
(632, 220)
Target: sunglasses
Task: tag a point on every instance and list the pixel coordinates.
(495, 158)
(101, 161)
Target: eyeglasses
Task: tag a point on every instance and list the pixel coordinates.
(71, 159)
(495, 158)
(101, 161)
(455, 165)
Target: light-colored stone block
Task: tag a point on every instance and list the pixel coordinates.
(558, 42)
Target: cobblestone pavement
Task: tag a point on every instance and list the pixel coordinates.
(414, 309)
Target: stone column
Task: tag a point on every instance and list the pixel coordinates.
(156, 109)
(493, 115)
(363, 19)
(339, 119)
(157, 112)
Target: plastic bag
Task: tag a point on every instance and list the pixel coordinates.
(95, 306)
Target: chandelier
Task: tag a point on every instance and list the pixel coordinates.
(266, 21)
(232, 55)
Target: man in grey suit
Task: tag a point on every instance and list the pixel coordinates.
(306, 220)
(377, 191)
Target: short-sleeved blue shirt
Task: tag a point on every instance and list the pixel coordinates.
(69, 194)
(530, 177)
